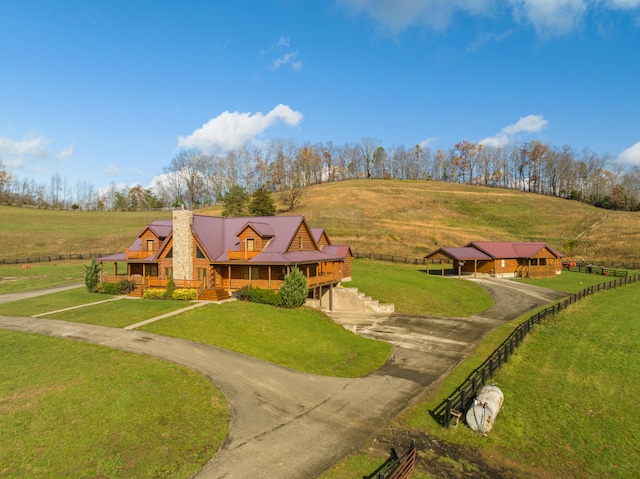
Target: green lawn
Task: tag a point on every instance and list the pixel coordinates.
(303, 339)
(15, 278)
(51, 302)
(569, 281)
(414, 292)
(71, 409)
(570, 392)
(121, 313)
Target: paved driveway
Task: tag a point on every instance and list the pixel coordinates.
(289, 424)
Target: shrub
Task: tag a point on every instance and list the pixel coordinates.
(92, 276)
(109, 288)
(265, 296)
(244, 293)
(171, 287)
(259, 295)
(294, 289)
(126, 286)
(184, 294)
(155, 293)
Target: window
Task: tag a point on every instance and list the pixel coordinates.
(199, 253)
(149, 245)
(170, 253)
(251, 272)
(151, 270)
(201, 274)
(168, 272)
(250, 244)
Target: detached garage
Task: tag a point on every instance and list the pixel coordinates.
(502, 259)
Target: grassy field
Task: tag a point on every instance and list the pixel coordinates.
(414, 292)
(563, 404)
(389, 217)
(570, 393)
(40, 275)
(28, 232)
(301, 339)
(404, 218)
(70, 409)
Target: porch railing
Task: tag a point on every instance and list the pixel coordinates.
(241, 255)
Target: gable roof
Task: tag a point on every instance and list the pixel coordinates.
(487, 250)
(461, 254)
(217, 235)
(504, 249)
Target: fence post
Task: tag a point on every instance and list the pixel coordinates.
(447, 414)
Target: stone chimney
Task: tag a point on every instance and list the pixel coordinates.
(182, 244)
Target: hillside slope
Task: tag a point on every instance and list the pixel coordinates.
(404, 218)
(413, 218)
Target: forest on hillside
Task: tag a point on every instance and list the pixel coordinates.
(193, 178)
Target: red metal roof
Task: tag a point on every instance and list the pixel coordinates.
(218, 235)
(504, 250)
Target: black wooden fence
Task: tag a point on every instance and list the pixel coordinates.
(456, 404)
(58, 257)
(600, 268)
(390, 258)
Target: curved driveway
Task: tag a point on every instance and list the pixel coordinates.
(289, 424)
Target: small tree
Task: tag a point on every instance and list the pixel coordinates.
(262, 203)
(235, 201)
(171, 287)
(92, 276)
(294, 289)
(291, 197)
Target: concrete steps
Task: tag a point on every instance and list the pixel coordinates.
(350, 299)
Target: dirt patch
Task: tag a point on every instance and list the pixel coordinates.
(443, 460)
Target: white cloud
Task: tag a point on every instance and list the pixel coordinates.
(631, 155)
(231, 130)
(287, 58)
(427, 142)
(551, 17)
(35, 147)
(399, 14)
(548, 17)
(526, 124)
(111, 170)
(30, 152)
(66, 153)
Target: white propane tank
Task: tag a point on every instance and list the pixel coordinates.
(482, 413)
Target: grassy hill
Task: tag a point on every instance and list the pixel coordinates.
(404, 218)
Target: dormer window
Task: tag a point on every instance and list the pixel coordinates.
(250, 244)
(149, 246)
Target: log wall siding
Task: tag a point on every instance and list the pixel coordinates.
(323, 241)
(149, 236)
(249, 233)
(302, 240)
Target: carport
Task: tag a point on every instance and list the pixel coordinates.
(460, 257)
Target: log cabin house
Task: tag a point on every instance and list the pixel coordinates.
(501, 259)
(217, 256)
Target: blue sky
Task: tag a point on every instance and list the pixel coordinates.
(108, 91)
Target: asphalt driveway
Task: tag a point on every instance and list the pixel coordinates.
(289, 424)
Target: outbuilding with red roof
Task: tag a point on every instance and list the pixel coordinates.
(502, 259)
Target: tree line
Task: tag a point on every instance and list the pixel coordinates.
(193, 178)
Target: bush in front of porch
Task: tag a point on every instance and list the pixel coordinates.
(259, 295)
